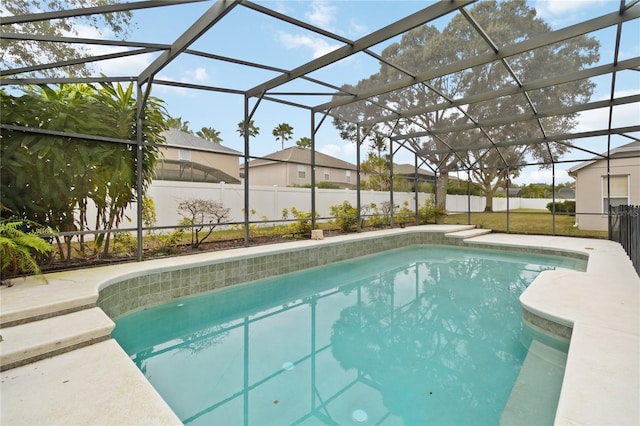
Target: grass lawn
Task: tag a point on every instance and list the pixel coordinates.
(526, 221)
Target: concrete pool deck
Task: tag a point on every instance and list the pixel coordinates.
(95, 382)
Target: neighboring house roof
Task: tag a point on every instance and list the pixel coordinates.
(183, 140)
(620, 151)
(300, 155)
(513, 192)
(566, 193)
(410, 170)
(180, 170)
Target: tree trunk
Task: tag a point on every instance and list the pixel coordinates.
(441, 189)
(489, 197)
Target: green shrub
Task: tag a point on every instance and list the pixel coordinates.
(376, 217)
(430, 211)
(302, 226)
(570, 206)
(19, 250)
(346, 215)
(124, 243)
(567, 206)
(405, 214)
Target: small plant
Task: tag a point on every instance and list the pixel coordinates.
(404, 215)
(149, 216)
(431, 212)
(19, 249)
(165, 242)
(386, 211)
(201, 215)
(346, 215)
(158, 242)
(364, 214)
(124, 243)
(302, 226)
(376, 219)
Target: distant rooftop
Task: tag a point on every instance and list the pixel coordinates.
(179, 139)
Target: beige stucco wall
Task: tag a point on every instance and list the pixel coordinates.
(268, 174)
(287, 175)
(589, 191)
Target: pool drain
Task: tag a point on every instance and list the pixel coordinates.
(288, 366)
(359, 416)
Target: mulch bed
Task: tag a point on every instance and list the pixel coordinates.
(208, 246)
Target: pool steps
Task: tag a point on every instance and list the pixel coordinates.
(534, 397)
(32, 341)
(468, 233)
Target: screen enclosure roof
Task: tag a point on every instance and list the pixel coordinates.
(499, 99)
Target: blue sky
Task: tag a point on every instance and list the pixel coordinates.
(246, 34)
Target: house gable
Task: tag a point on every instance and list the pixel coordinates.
(189, 158)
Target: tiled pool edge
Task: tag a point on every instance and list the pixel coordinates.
(152, 287)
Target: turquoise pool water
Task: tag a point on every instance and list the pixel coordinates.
(416, 336)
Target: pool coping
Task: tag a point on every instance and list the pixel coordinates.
(601, 384)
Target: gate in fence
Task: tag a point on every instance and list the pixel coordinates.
(624, 228)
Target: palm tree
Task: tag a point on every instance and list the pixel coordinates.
(178, 124)
(304, 142)
(210, 134)
(252, 129)
(283, 131)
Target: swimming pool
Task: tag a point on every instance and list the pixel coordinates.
(420, 335)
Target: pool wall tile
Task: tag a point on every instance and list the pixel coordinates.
(131, 294)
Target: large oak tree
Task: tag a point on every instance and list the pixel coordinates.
(427, 48)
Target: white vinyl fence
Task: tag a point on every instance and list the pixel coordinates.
(268, 202)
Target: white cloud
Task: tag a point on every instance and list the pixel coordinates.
(199, 74)
(317, 45)
(529, 176)
(356, 29)
(346, 151)
(129, 65)
(281, 7)
(322, 14)
(598, 119)
(558, 11)
(125, 66)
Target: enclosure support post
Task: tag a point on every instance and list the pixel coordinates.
(553, 197)
(358, 195)
(140, 106)
(609, 221)
(246, 170)
(435, 188)
(508, 212)
(391, 221)
(313, 171)
(415, 187)
(469, 197)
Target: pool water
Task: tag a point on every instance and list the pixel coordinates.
(416, 336)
